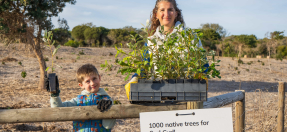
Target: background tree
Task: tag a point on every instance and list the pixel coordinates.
(62, 34)
(27, 19)
(78, 31)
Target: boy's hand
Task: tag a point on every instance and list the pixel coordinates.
(104, 104)
(47, 86)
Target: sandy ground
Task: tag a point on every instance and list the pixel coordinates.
(16, 92)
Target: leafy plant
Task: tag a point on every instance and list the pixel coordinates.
(172, 58)
(240, 61)
(235, 68)
(262, 63)
(3, 63)
(238, 72)
(20, 63)
(23, 74)
(49, 43)
(106, 89)
(81, 52)
(117, 102)
(78, 57)
(72, 43)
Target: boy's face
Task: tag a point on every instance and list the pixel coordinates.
(91, 83)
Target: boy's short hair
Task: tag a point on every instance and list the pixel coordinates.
(86, 70)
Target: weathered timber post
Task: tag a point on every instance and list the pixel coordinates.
(240, 114)
(281, 102)
(195, 105)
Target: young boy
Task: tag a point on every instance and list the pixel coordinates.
(89, 80)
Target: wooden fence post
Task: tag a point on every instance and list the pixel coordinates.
(281, 102)
(240, 114)
(195, 105)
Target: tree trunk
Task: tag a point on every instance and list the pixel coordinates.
(42, 64)
(35, 44)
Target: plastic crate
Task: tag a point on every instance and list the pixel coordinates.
(168, 90)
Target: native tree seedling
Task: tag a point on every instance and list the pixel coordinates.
(173, 58)
(50, 43)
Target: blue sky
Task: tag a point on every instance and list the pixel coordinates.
(236, 16)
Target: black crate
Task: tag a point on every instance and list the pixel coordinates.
(168, 90)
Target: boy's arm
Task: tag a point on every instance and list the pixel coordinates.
(57, 102)
(109, 123)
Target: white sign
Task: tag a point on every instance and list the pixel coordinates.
(197, 120)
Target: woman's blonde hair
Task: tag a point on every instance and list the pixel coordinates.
(155, 22)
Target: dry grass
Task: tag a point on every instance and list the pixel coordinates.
(16, 92)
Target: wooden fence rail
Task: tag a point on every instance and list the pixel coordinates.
(116, 112)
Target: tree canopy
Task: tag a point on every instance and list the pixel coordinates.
(27, 19)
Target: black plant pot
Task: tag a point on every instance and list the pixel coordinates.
(168, 90)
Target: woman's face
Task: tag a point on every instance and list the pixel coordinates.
(166, 14)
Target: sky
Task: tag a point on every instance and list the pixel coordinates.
(236, 16)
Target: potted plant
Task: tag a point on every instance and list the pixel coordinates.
(173, 68)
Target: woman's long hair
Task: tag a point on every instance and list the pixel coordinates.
(155, 22)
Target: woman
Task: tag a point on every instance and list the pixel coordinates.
(166, 14)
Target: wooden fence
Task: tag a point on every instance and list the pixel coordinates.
(133, 110)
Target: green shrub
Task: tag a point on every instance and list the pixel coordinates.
(81, 52)
(23, 74)
(82, 43)
(262, 63)
(72, 43)
(94, 45)
(240, 61)
(20, 63)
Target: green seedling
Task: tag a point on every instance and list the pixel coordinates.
(238, 72)
(46, 59)
(20, 63)
(235, 68)
(57, 57)
(106, 89)
(3, 63)
(50, 43)
(81, 52)
(247, 70)
(249, 63)
(78, 57)
(169, 60)
(258, 61)
(117, 102)
(23, 74)
(240, 61)
(262, 63)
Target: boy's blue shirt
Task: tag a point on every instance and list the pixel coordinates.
(148, 59)
(57, 102)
